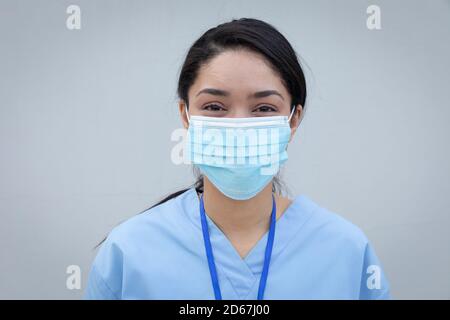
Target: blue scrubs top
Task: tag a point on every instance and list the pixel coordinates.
(160, 254)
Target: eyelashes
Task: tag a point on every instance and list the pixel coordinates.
(213, 107)
(261, 108)
(266, 108)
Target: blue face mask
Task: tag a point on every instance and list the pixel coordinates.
(239, 156)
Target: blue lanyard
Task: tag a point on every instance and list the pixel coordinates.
(209, 253)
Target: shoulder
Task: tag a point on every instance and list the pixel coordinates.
(150, 225)
(347, 248)
(330, 226)
(132, 243)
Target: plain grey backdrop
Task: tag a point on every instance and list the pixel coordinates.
(86, 117)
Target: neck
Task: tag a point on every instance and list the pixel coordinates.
(238, 217)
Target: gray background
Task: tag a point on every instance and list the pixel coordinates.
(86, 118)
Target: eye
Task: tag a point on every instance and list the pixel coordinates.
(213, 107)
(265, 108)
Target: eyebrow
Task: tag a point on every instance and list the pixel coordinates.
(216, 92)
(223, 93)
(266, 93)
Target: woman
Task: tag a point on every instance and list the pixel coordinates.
(232, 235)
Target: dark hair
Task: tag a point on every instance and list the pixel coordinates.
(245, 33)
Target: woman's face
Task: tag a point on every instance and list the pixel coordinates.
(239, 83)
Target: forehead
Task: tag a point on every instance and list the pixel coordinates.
(238, 71)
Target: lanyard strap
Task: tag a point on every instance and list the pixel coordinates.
(210, 256)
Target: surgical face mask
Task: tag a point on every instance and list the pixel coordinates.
(239, 156)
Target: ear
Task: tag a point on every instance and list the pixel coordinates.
(183, 115)
(296, 119)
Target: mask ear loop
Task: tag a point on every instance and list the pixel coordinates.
(187, 114)
(292, 112)
(289, 119)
